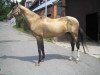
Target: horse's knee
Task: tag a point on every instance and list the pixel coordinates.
(72, 45)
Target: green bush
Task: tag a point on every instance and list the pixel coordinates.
(21, 23)
(19, 29)
(2, 17)
(18, 21)
(49, 39)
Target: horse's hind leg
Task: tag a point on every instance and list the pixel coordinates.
(72, 46)
(76, 41)
(78, 46)
(72, 52)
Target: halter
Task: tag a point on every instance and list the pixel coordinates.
(15, 12)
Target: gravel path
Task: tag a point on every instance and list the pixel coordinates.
(93, 48)
(18, 55)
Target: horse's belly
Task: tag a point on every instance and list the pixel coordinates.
(53, 33)
(50, 35)
(54, 29)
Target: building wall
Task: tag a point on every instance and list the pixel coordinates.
(51, 11)
(75, 8)
(80, 8)
(54, 11)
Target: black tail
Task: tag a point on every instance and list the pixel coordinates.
(82, 38)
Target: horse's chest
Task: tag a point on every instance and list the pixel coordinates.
(37, 31)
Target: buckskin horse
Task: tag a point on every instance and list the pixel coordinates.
(43, 27)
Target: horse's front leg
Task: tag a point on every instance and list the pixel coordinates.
(41, 52)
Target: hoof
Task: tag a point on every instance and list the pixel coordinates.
(42, 60)
(77, 60)
(85, 53)
(70, 58)
(37, 64)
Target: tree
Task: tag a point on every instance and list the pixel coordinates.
(23, 2)
(5, 7)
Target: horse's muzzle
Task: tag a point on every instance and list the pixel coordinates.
(9, 17)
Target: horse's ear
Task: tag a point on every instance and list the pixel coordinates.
(17, 3)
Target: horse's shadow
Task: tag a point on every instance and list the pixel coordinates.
(33, 59)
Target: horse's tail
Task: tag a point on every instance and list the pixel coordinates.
(82, 38)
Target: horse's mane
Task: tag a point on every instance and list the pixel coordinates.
(27, 11)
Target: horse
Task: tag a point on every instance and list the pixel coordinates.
(44, 27)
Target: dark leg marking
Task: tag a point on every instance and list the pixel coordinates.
(41, 52)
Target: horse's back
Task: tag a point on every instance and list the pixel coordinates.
(68, 18)
(59, 26)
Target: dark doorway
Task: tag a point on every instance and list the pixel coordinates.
(92, 26)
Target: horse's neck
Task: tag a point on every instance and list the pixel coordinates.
(28, 14)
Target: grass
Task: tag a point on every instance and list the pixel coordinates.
(20, 29)
(49, 40)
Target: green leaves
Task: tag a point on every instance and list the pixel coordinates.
(5, 7)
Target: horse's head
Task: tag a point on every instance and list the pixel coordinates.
(14, 12)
